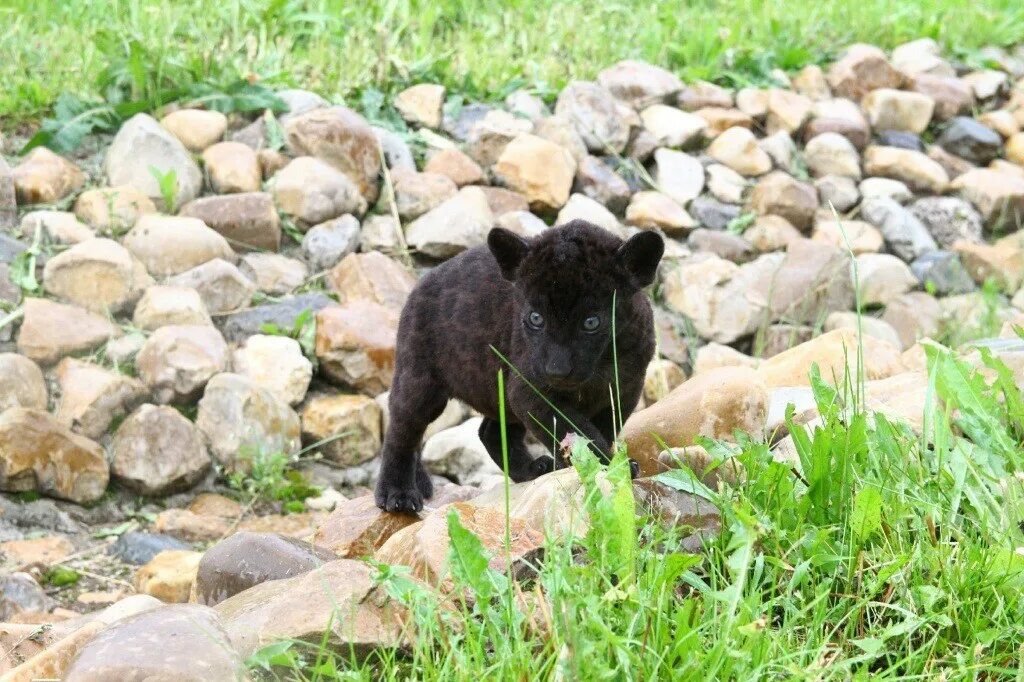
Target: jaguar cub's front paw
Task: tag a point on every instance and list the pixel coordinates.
(393, 498)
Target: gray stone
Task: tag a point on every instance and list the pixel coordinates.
(970, 140)
(10, 248)
(906, 236)
(142, 144)
(221, 285)
(838, 191)
(459, 121)
(157, 451)
(396, 152)
(299, 102)
(900, 139)
(597, 180)
(138, 548)
(943, 272)
(20, 593)
(8, 201)
(243, 324)
(712, 213)
(595, 114)
(327, 243)
(949, 219)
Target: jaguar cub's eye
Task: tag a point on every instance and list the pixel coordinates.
(591, 323)
(536, 320)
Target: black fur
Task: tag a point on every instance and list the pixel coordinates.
(484, 297)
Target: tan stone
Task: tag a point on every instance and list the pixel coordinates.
(191, 527)
(21, 383)
(169, 245)
(50, 331)
(882, 277)
(861, 69)
(246, 220)
(99, 275)
(780, 194)
(889, 109)
(833, 352)
(371, 277)
(737, 148)
(343, 139)
(421, 104)
(456, 165)
(93, 397)
(810, 82)
(540, 170)
(352, 421)
(313, 191)
(919, 172)
(787, 110)
(18, 555)
(112, 209)
(1002, 262)
(197, 129)
(56, 227)
(998, 196)
(661, 377)
(914, 316)
(43, 177)
(952, 96)
(177, 360)
(854, 235)
(717, 120)
(771, 233)
(356, 344)
(654, 210)
(161, 306)
(232, 167)
(358, 528)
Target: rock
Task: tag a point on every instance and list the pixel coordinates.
(93, 397)
(138, 548)
(232, 167)
(355, 418)
(999, 197)
(921, 56)
(266, 613)
(169, 245)
(869, 326)
(986, 83)
(780, 194)
(812, 280)
(1001, 262)
(1015, 149)
(712, 294)
(780, 337)
(905, 235)
(177, 360)
(343, 139)
(156, 451)
(221, 285)
(701, 94)
(43, 177)
(99, 275)
(852, 235)
(914, 316)
(595, 179)
(725, 184)
(837, 192)
(952, 96)
(20, 593)
(882, 277)
(523, 223)
(191, 527)
(21, 383)
(50, 331)
(272, 273)
(660, 378)
(161, 306)
(313, 191)
(112, 209)
(713, 214)
(737, 149)
(580, 207)
(185, 642)
(327, 243)
(715, 404)
(811, 83)
(35, 552)
(943, 273)
(271, 162)
(527, 105)
(537, 168)
(723, 244)
(247, 221)
(948, 219)
(654, 210)
(672, 127)
(639, 83)
(953, 165)
(38, 453)
(489, 136)
(275, 363)
(678, 175)
(900, 139)
(56, 227)
(457, 125)
(424, 546)
(458, 454)
(861, 69)
(121, 352)
(787, 110)
(885, 187)
(838, 116)
(8, 198)
(832, 154)
(358, 528)
(142, 144)
(417, 193)
(421, 104)
(242, 420)
(595, 115)
(283, 315)
(195, 128)
(919, 172)
(459, 223)
(833, 352)
(246, 559)
(456, 165)
(718, 120)
(502, 201)
(970, 140)
(889, 109)
(771, 233)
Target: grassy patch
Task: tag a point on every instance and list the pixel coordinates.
(138, 50)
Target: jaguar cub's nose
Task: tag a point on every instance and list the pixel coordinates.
(556, 369)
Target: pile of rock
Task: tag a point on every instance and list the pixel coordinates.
(252, 309)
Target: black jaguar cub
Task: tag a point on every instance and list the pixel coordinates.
(546, 304)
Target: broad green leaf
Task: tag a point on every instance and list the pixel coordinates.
(866, 518)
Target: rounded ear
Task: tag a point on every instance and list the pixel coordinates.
(639, 258)
(508, 249)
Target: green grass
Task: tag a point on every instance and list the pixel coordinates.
(130, 50)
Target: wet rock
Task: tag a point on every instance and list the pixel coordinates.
(99, 275)
(168, 245)
(313, 191)
(43, 177)
(221, 285)
(351, 425)
(275, 363)
(138, 548)
(38, 453)
(358, 528)
(246, 559)
(343, 139)
(177, 360)
(241, 419)
(50, 331)
(93, 397)
(156, 451)
(247, 221)
(714, 404)
(905, 235)
(21, 383)
(948, 219)
(324, 245)
(459, 223)
(833, 352)
(185, 642)
(141, 144)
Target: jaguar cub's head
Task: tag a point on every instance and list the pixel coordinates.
(566, 282)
